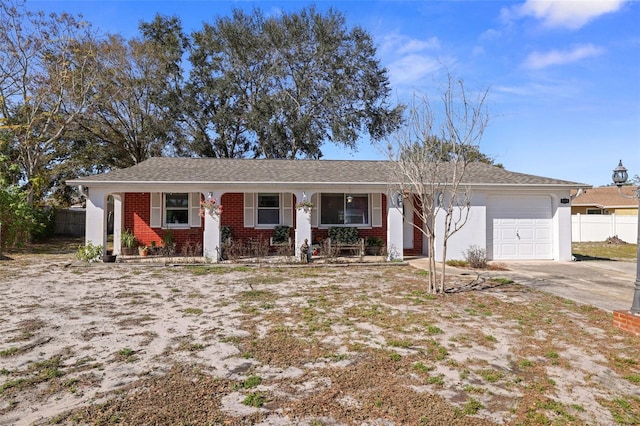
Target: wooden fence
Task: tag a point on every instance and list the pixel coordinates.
(70, 222)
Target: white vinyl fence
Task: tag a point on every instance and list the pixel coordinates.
(599, 227)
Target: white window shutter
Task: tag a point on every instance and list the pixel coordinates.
(314, 211)
(376, 210)
(194, 210)
(287, 209)
(249, 207)
(156, 210)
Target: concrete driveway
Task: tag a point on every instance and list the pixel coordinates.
(607, 285)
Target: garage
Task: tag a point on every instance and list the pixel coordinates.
(519, 227)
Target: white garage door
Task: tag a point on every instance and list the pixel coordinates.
(521, 227)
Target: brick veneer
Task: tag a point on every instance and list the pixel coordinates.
(627, 321)
(137, 214)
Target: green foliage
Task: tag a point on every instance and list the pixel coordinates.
(255, 399)
(19, 220)
(226, 232)
(167, 238)
(299, 58)
(472, 406)
(343, 235)
(127, 239)
(89, 252)
(375, 241)
(281, 234)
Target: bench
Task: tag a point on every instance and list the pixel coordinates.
(345, 239)
(354, 248)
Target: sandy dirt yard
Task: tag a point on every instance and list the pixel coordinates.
(157, 344)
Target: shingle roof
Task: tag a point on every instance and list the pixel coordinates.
(607, 197)
(208, 170)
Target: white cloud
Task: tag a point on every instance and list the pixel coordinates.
(571, 14)
(410, 69)
(396, 43)
(409, 60)
(539, 60)
(490, 34)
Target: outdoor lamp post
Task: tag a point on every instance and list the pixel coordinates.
(619, 178)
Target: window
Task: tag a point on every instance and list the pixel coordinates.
(595, 211)
(176, 209)
(269, 209)
(344, 209)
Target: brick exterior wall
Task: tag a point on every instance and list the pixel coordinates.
(137, 216)
(627, 321)
(137, 213)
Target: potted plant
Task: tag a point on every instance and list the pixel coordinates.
(143, 250)
(128, 242)
(374, 245)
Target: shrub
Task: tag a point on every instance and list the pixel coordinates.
(347, 235)
(89, 253)
(476, 257)
(281, 234)
(225, 233)
(20, 221)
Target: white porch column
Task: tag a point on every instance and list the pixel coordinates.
(211, 239)
(117, 223)
(303, 221)
(96, 230)
(395, 231)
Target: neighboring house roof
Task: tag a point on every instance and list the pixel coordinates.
(606, 197)
(268, 171)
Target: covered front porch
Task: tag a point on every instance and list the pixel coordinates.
(152, 213)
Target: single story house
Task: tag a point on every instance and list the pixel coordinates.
(512, 215)
(605, 200)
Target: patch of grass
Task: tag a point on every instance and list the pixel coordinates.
(490, 375)
(421, 367)
(126, 355)
(12, 384)
(198, 270)
(432, 329)
(472, 406)
(251, 382)
(261, 295)
(8, 352)
(633, 378)
(394, 356)
(503, 281)
(525, 363)
(458, 263)
(473, 389)
(400, 343)
(436, 380)
(602, 250)
(491, 338)
(193, 311)
(255, 399)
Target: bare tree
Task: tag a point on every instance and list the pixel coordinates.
(436, 189)
(45, 80)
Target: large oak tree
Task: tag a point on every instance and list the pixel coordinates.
(283, 86)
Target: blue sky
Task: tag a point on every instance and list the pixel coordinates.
(563, 76)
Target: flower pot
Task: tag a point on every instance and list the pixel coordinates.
(129, 251)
